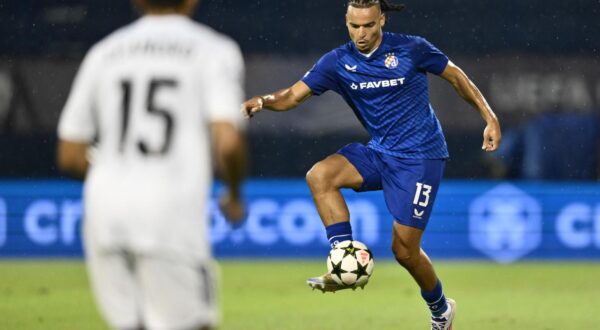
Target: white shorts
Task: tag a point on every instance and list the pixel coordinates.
(135, 291)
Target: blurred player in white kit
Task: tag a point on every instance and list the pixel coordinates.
(152, 99)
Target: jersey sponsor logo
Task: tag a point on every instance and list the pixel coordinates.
(350, 68)
(505, 223)
(391, 61)
(378, 84)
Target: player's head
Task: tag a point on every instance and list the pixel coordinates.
(365, 19)
(182, 7)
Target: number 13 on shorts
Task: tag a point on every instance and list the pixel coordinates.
(422, 194)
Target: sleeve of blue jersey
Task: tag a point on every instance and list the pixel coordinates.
(428, 57)
(322, 76)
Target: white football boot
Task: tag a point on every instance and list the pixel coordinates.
(444, 322)
(325, 283)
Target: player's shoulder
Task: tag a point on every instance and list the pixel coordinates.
(205, 39)
(337, 53)
(345, 49)
(114, 37)
(109, 43)
(403, 40)
(328, 60)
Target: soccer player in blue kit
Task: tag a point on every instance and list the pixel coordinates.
(383, 78)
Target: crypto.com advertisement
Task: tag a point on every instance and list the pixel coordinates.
(500, 221)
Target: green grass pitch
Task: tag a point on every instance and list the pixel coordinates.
(266, 295)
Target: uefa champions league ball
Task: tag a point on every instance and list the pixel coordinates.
(350, 263)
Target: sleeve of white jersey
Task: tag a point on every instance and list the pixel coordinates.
(76, 122)
(224, 85)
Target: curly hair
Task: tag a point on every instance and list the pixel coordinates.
(383, 4)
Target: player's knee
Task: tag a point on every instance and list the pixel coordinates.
(406, 256)
(319, 177)
(408, 261)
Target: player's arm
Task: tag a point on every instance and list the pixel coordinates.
(77, 124)
(230, 156)
(72, 158)
(221, 74)
(282, 100)
(492, 134)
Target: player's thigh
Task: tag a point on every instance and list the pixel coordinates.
(114, 285)
(335, 171)
(178, 295)
(410, 187)
(352, 166)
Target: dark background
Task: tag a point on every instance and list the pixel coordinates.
(536, 61)
(59, 27)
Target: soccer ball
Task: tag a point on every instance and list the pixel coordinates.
(350, 263)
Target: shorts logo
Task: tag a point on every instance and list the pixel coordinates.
(354, 86)
(417, 214)
(391, 61)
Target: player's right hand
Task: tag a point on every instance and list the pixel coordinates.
(492, 136)
(252, 106)
(233, 209)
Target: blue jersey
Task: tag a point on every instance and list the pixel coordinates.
(388, 92)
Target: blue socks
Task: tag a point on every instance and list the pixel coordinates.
(339, 232)
(435, 300)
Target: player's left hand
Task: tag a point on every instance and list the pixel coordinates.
(233, 209)
(492, 136)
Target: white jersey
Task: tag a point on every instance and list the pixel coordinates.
(147, 93)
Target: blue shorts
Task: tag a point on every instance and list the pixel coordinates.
(409, 185)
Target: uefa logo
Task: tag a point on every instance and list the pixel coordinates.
(505, 223)
(391, 61)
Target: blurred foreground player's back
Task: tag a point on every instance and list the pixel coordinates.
(150, 98)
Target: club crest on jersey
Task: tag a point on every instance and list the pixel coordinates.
(391, 61)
